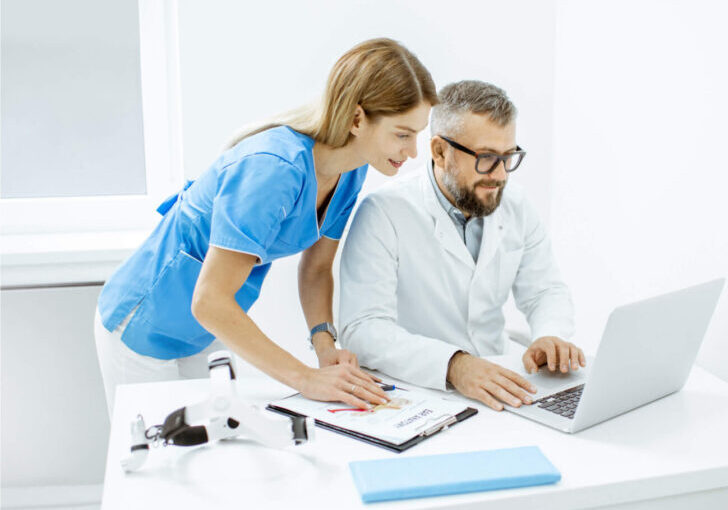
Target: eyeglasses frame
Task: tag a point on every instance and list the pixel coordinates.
(498, 157)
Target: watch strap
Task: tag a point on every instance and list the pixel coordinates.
(324, 326)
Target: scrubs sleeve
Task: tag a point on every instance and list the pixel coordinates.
(254, 195)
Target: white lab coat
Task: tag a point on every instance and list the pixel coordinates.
(412, 296)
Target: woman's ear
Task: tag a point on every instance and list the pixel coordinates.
(358, 121)
(437, 149)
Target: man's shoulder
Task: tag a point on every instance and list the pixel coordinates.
(400, 190)
(516, 205)
(514, 195)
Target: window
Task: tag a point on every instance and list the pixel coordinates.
(90, 114)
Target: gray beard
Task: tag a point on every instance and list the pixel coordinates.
(466, 200)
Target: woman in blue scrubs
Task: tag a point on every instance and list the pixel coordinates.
(281, 189)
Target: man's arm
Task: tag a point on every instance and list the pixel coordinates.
(369, 323)
(368, 306)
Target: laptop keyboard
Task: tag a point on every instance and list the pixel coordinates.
(563, 403)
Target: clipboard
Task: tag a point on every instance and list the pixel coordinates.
(442, 422)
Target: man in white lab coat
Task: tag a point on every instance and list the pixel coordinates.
(431, 259)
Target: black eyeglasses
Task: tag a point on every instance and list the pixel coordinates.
(486, 162)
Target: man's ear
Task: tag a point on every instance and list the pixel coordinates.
(358, 121)
(437, 149)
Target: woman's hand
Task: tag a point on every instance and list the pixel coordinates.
(342, 382)
(332, 356)
(328, 354)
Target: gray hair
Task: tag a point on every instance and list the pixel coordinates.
(469, 96)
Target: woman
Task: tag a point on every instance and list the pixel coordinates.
(283, 188)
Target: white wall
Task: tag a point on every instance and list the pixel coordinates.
(640, 178)
(54, 422)
(243, 61)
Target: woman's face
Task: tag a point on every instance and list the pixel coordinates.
(388, 141)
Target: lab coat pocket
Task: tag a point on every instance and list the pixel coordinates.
(509, 263)
(168, 305)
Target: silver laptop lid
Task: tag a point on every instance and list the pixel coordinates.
(647, 351)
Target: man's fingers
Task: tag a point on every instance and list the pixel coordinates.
(514, 389)
(501, 394)
(520, 381)
(488, 399)
(564, 356)
(529, 363)
(582, 359)
(550, 349)
(574, 356)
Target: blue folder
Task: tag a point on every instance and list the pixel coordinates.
(453, 473)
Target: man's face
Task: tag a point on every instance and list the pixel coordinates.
(473, 193)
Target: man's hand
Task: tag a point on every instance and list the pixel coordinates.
(555, 352)
(485, 381)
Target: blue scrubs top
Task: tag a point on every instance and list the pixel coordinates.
(260, 198)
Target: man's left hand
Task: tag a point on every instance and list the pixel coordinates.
(557, 353)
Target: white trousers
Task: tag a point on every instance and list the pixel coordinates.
(120, 365)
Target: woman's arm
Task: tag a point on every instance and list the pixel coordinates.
(214, 306)
(315, 290)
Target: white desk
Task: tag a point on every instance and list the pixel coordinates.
(674, 448)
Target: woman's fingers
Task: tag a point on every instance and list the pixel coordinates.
(370, 387)
(367, 377)
(345, 383)
(364, 393)
(350, 399)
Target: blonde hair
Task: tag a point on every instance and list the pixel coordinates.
(380, 75)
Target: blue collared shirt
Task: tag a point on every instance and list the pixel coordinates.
(470, 230)
(258, 198)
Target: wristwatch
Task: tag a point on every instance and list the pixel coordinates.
(324, 326)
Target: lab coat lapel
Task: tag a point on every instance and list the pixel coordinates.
(445, 232)
(492, 234)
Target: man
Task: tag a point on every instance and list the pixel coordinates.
(430, 260)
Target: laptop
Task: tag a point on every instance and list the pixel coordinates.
(647, 351)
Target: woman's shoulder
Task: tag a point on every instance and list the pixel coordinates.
(281, 142)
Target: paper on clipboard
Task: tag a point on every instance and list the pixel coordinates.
(408, 414)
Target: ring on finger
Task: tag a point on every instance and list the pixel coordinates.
(353, 388)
